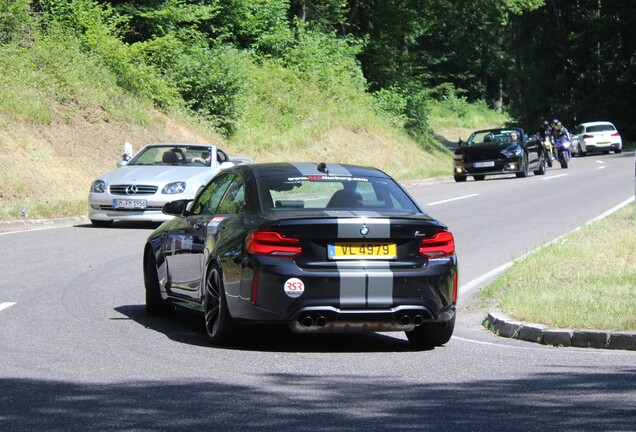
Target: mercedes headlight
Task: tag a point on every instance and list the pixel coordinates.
(98, 186)
(174, 188)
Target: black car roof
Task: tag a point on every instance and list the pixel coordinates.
(297, 169)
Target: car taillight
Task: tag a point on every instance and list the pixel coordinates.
(616, 134)
(272, 243)
(442, 244)
(588, 136)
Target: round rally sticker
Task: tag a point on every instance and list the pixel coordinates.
(294, 287)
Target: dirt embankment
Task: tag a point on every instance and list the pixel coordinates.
(52, 166)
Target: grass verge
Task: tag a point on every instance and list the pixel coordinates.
(591, 270)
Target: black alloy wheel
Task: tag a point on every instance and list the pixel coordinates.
(460, 178)
(431, 334)
(524, 168)
(218, 322)
(155, 305)
(542, 166)
(479, 177)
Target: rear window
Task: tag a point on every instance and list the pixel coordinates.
(601, 128)
(327, 192)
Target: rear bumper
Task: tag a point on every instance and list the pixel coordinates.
(375, 295)
(329, 319)
(591, 147)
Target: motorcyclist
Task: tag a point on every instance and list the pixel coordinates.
(561, 131)
(545, 130)
(545, 135)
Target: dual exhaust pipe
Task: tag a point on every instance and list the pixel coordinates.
(408, 320)
(321, 321)
(309, 321)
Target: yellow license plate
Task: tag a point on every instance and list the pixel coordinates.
(367, 250)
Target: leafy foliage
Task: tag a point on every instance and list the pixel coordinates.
(531, 58)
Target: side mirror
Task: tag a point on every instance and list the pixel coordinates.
(124, 160)
(176, 208)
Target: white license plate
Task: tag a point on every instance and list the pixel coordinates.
(129, 203)
(484, 164)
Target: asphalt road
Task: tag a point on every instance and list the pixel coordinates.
(77, 351)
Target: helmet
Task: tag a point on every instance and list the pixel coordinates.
(554, 122)
(558, 125)
(546, 124)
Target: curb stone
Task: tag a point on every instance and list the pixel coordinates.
(34, 224)
(502, 325)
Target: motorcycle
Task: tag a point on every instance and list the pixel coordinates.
(548, 150)
(563, 150)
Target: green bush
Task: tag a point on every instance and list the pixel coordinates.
(391, 103)
(16, 23)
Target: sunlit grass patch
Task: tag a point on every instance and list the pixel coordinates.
(587, 280)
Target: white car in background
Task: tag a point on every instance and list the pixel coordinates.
(158, 173)
(598, 136)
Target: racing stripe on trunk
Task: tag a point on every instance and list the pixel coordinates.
(380, 287)
(365, 283)
(350, 228)
(353, 288)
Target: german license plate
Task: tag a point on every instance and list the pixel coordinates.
(366, 250)
(484, 164)
(129, 204)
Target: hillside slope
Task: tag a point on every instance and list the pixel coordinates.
(47, 169)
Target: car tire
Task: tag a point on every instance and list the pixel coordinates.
(218, 322)
(155, 305)
(564, 164)
(542, 166)
(580, 152)
(101, 223)
(618, 150)
(479, 177)
(460, 179)
(524, 169)
(431, 334)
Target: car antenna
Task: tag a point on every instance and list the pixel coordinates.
(322, 167)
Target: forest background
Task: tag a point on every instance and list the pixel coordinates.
(378, 82)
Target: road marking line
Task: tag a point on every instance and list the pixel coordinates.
(452, 199)
(553, 177)
(6, 305)
(601, 167)
(600, 162)
(505, 345)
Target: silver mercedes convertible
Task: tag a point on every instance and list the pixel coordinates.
(158, 173)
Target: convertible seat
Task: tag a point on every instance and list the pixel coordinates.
(170, 157)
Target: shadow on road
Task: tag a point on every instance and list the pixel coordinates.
(290, 402)
(188, 328)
